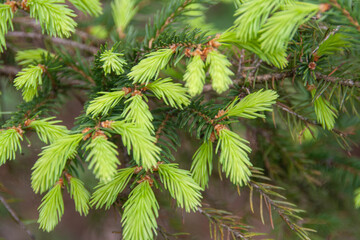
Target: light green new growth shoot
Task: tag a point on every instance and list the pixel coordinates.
(149, 67)
(112, 62)
(49, 167)
(55, 18)
(181, 186)
(137, 111)
(51, 208)
(47, 131)
(103, 104)
(140, 213)
(28, 80)
(201, 166)
(173, 94)
(103, 158)
(195, 75)
(10, 143)
(92, 7)
(6, 16)
(219, 71)
(80, 195)
(252, 105)
(234, 157)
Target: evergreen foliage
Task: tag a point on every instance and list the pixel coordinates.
(279, 100)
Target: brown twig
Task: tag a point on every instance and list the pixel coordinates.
(161, 127)
(312, 122)
(9, 70)
(16, 218)
(169, 20)
(55, 40)
(82, 73)
(347, 14)
(235, 232)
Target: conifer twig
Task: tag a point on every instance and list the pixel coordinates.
(16, 218)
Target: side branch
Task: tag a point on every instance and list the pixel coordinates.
(16, 218)
(55, 40)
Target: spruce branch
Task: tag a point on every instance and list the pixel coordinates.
(287, 211)
(222, 220)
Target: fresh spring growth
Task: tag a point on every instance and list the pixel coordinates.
(149, 68)
(234, 157)
(80, 196)
(6, 16)
(140, 213)
(10, 144)
(357, 198)
(201, 166)
(47, 130)
(103, 104)
(251, 16)
(28, 80)
(28, 57)
(173, 94)
(219, 71)
(326, 114)
(51, 209)
(181, 186)
(137, 111)
(92, 7)
(123, 11)
(112, 62)
(52, 162)
(281, 26)
(195, 75)
(144, 151)
(103, 158)
(55, 18)
(252, 105)
(107, 193)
